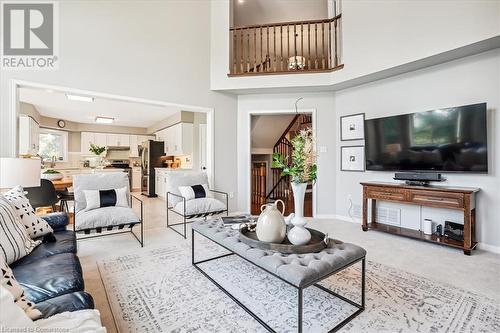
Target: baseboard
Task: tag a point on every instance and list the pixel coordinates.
(338, 217)
(489, 248)
(482, 246)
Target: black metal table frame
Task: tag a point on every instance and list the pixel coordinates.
(188, 217)
(360, 307)
(99, 230)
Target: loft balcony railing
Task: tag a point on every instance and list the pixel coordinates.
(287, 47)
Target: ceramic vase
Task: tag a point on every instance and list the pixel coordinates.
(299, 235)
(271, 226)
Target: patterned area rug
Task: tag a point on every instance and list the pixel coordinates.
(159, 291)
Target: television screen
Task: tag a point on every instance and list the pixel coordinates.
(444, 140)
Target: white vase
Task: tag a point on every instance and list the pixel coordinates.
(299, 235)
(271, 225)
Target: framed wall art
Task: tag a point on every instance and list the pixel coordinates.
(352, 127)
(352, 158)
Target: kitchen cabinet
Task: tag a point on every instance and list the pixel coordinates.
(161, 184)
(100, 139)
(183, 139)
(86, 139)
(118, 140)
(178, 139)
(136, 178)
(112, 140)
(29, 136)
(134, 146)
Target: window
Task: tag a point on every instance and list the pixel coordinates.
(53, 143)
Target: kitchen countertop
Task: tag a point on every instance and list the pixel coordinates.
(172, 169)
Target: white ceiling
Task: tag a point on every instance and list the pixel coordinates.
(54, 104)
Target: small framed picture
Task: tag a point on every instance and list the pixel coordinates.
(352, 127)
(352, 158)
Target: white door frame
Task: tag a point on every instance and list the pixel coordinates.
(249, 147)
(14, 107)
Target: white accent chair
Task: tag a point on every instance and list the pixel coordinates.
(105, 218)
(195, 208)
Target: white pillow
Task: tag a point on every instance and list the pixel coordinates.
(9, 282)
(194, 191)
(34, 224)
(105, 198)
(13, 319)
(15, 242)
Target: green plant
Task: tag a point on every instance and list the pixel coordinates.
(51, 172)
(96, 149)
(302, 167)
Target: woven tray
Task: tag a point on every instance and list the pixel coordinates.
(316, 244)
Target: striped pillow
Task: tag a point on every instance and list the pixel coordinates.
(14, 240)
(194, 191)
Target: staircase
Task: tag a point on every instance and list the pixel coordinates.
(281, 184)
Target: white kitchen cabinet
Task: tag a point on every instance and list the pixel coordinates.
(123, 140)
(157, 184)
(179, 140)
(134, 146)
(112, 140)
(29, 138)
(100, 139)
(86, 139)
(136, 178)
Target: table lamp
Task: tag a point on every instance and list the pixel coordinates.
(19, 171)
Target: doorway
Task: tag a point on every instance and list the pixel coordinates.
(139, 108)
(272, 132)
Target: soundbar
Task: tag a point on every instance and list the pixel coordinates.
(418, 178)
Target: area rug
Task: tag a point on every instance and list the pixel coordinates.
(159, 291)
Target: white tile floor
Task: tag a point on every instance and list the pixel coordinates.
(479, 272)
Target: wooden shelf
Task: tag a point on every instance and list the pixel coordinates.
(417, 234)
(458, 198)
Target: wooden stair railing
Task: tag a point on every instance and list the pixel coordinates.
(281, 184)
(259, 180)
(285, 47)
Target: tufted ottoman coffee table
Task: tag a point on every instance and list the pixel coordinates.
(298, 270)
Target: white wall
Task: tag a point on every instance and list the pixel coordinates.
(149, 49)
(377, 35)
(469, 80)
(271, 11)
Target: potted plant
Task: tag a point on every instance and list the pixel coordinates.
(97, 151)
(301, 168)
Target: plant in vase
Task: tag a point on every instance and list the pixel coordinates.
(97, 151)
(301, 168)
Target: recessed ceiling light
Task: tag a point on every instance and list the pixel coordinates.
(241, 1)
(104, 120)
(79, 98)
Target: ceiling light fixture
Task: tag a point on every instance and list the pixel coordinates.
(80, 98)
(104, 120)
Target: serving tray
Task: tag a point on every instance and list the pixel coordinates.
(317, 243)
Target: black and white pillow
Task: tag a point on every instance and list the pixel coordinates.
(10, 283)
(15, 242)
(194, 191)
(105, 198)
(34, 224)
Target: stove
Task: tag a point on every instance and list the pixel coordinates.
(122, 164)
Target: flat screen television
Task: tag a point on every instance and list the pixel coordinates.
(443, 140)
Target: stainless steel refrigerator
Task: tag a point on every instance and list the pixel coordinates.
(151, 153)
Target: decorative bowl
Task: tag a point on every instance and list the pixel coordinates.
(52, 176)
